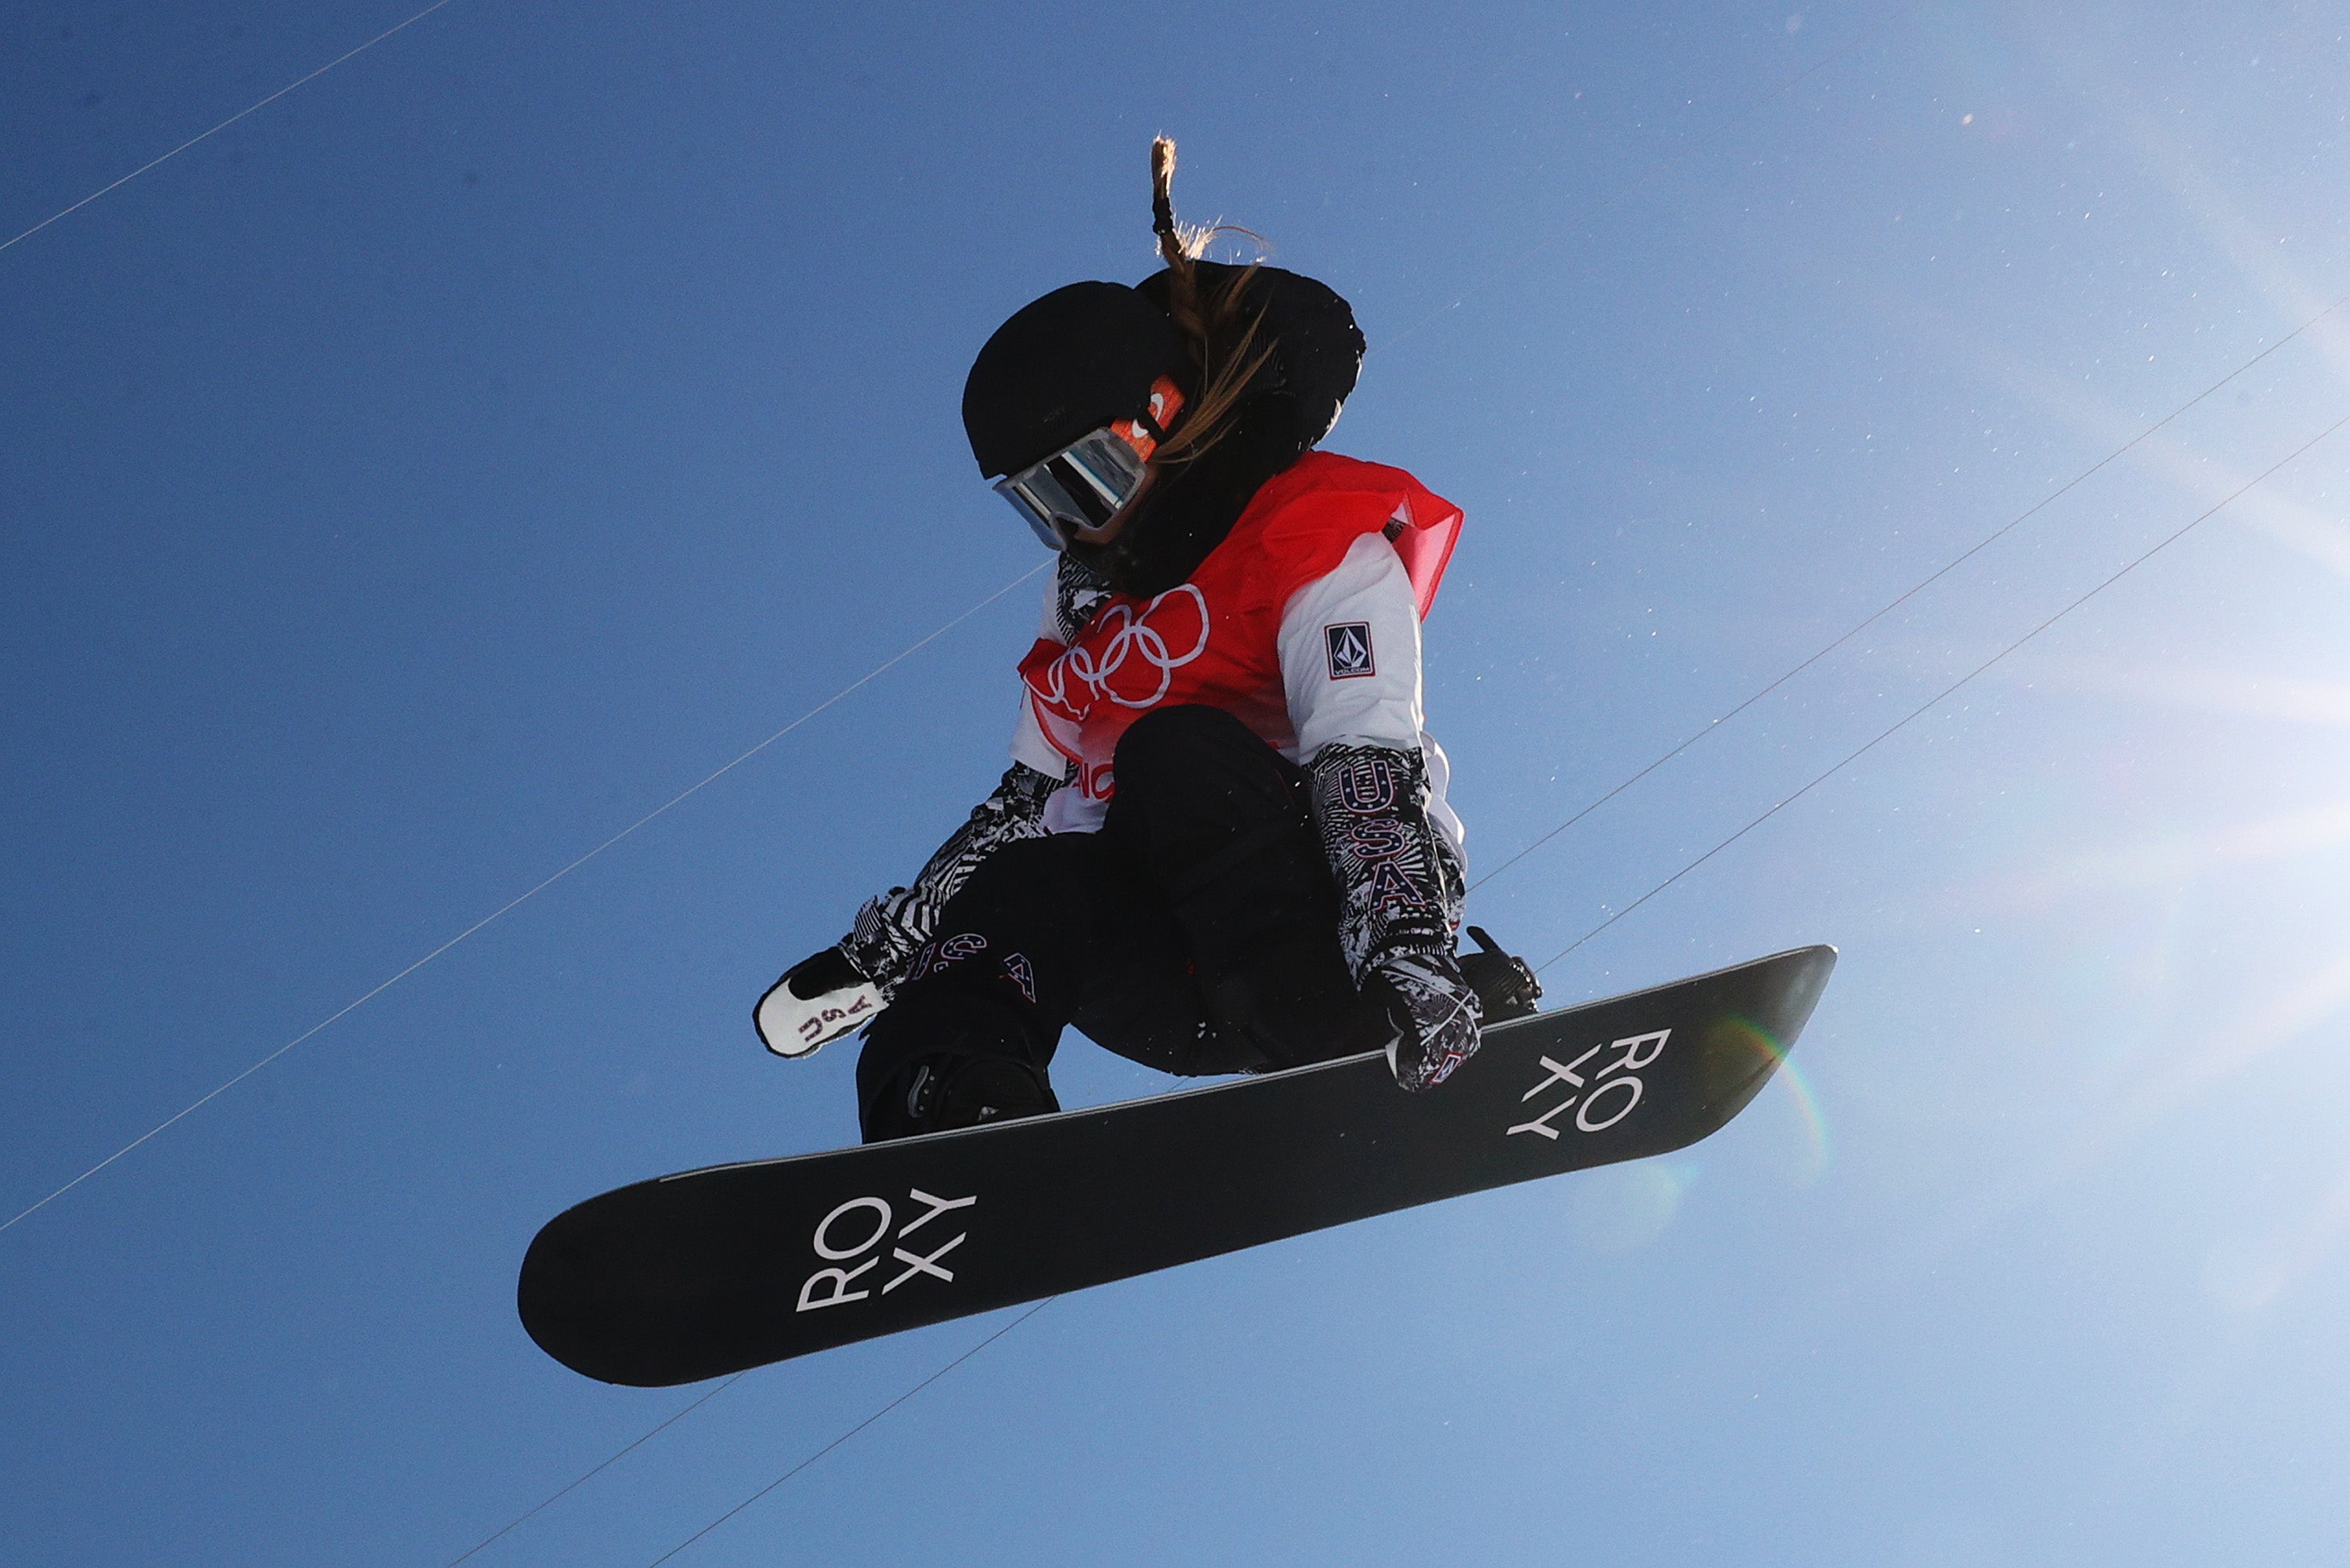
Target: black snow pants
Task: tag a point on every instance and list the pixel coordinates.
(1197, 933)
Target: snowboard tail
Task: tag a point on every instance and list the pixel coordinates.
(709, 1272)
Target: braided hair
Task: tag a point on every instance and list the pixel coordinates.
(1219, 335)
(1264, 357)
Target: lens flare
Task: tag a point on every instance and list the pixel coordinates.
(1744, 1034)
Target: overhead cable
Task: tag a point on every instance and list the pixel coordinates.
(1944, 695)
(1912, 591)
(525, 896)
(225, 124)
(852, 1431)
(590, 1474)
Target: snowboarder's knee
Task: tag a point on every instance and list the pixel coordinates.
(1192, 752)
(1185, 730)
(1050, 872)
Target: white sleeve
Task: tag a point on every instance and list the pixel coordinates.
(1350, 653)
(1351, 666)
(1029, 747)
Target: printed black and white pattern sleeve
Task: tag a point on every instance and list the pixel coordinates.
(889, 927)
(1400, 894)
(1400, 888)
(1350, 660)
(892, 926)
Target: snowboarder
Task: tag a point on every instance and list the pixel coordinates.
(1223, 845)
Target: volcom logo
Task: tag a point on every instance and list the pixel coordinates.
(836, 1238)
(1603, 1107)
(1349, 644)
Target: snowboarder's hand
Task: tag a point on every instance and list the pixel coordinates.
(818, 999)
(1435, 1011)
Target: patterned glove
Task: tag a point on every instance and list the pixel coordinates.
(1401, 891)
(1437, 1014)
(820, 998)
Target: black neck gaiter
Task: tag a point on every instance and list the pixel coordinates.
(1192, 505)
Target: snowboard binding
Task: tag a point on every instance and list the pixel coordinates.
(943, 1093)
(1505, 987)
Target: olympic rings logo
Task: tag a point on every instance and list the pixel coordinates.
(1129, 658)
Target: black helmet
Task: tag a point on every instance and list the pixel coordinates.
(1317, 350)
(1069, 364)
(1088, 356)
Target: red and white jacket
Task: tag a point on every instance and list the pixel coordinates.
(1304, 623)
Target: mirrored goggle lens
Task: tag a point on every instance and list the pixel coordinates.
(1081, 486)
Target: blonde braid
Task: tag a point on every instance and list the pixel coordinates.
(1223, 377)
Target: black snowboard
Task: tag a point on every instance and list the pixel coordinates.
(714, 1270)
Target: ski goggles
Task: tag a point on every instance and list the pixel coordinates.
(1089, 481)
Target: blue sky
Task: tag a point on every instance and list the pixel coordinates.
(420, 480)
